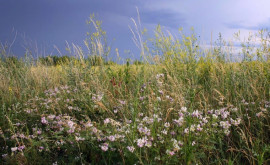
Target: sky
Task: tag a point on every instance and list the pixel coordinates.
(42, 25)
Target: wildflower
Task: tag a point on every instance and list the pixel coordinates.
(144, 130)
(215, 116)
(196, 113)
(225, 124)
(193, 143)
(173, 133)
(171, 153)
(259, 114)
(72, 130)
(88, 124)
(180, 121)
(159, 76)
(186, 131)
(44, 121)
(204, 120)
(95, 130)
(192, 128)
(20, 148)
(51, 117)
(184, 109)
(236, 122)
(141, 98)
(234, 109)
(167, 124)
(181, 114)
(40, 148)
(105, 147)
(158, 98)
(155, 116)
(122, 102)
(199, 128)
(225, 114)
(70, 124)
(111, 138)
(79, 138)
(164, 132)
(13, 149)
(4, 155)
(131, 148)
(107, 121)
(141, 142)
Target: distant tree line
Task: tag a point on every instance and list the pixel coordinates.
(64, 60)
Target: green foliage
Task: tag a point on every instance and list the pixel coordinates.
(186, 105)
(55, 60)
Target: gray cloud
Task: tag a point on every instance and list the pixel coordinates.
(164, 18)
(237, 25)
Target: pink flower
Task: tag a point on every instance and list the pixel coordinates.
(141, 142)
(111, 138)
(122, 102)
(44, 121)
(131, 148)
(106, 121)
(105, 147)
(20, 148)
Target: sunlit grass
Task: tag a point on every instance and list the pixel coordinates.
(176, 107)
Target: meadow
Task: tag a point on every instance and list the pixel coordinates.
(180, 104)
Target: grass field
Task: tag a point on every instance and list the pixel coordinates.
(185, 105)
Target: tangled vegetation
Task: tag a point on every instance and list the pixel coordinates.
(182, 105)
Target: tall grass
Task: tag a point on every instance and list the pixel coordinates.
(183, 105)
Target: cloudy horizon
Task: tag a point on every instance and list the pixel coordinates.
(43, 24)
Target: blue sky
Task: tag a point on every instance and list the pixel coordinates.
(41, 24)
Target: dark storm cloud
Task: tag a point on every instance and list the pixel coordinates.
(52, 22)
(236, 25)
(164, 18)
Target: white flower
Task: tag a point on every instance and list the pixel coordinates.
(164, 132)
(131, 148)
(167, 124)
(184, 109)
(13, 149)
(215, 116)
